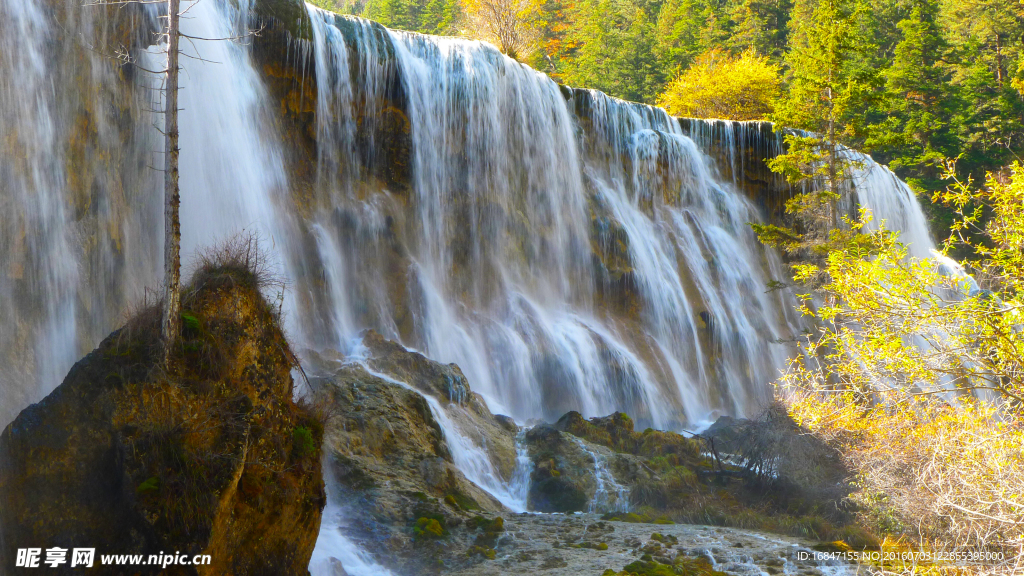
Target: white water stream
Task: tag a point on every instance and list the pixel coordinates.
(609, 496)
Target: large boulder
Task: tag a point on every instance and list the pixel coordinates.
(447, 383)
(616, 431)
(571, 474)
(209, 455)
(384, 442)
(396, 482)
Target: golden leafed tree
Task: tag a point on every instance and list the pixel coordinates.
(508, 24)
(719, 85)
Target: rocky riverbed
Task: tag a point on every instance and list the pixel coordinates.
(575, 544)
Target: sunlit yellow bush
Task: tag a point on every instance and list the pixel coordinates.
(718, 85)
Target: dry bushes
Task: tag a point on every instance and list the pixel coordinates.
(944, 476)
(238, 259)
(777, 451)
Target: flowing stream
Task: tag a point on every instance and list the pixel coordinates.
(609, 496)
(569, 251)
(468, 457)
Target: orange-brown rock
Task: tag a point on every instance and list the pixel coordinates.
(209, 456)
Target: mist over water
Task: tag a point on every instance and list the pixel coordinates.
(569, 251)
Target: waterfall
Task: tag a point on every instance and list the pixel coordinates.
(509, 202)
(568, 250)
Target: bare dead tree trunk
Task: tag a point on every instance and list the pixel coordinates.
(171, 322)
(999, 60)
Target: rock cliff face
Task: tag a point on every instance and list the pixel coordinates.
(211, 456)
(387, 448)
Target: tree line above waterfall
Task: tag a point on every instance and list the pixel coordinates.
(919, 80)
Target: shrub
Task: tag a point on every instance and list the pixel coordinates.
(482, 551)
(718, 85)
(428, 529)
(303, 444)
(915, 377)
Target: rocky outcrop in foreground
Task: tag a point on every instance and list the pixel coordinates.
(210, 456)
(395, 476)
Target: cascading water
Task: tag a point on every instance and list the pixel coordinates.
(40, 331)
(230, 158)
(609, 495)
(471, 459)
(892, 203)
(510, 210)
(335, 554)
(567, 250)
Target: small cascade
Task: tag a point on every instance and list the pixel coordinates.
(610, 496)
(335, 554)
(470, 459)
(519, 485)
(892, 203)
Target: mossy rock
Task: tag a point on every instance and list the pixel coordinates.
(680, 566)
(462, 501)
(207, 453)
(834, 546)
(482, 551)
(635, 518)
(491, 530)
(558, 494)
(429, 529)
(616, 431)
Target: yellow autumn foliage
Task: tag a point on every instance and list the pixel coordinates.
(916, 374)
(511, 25)
(718, 85)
